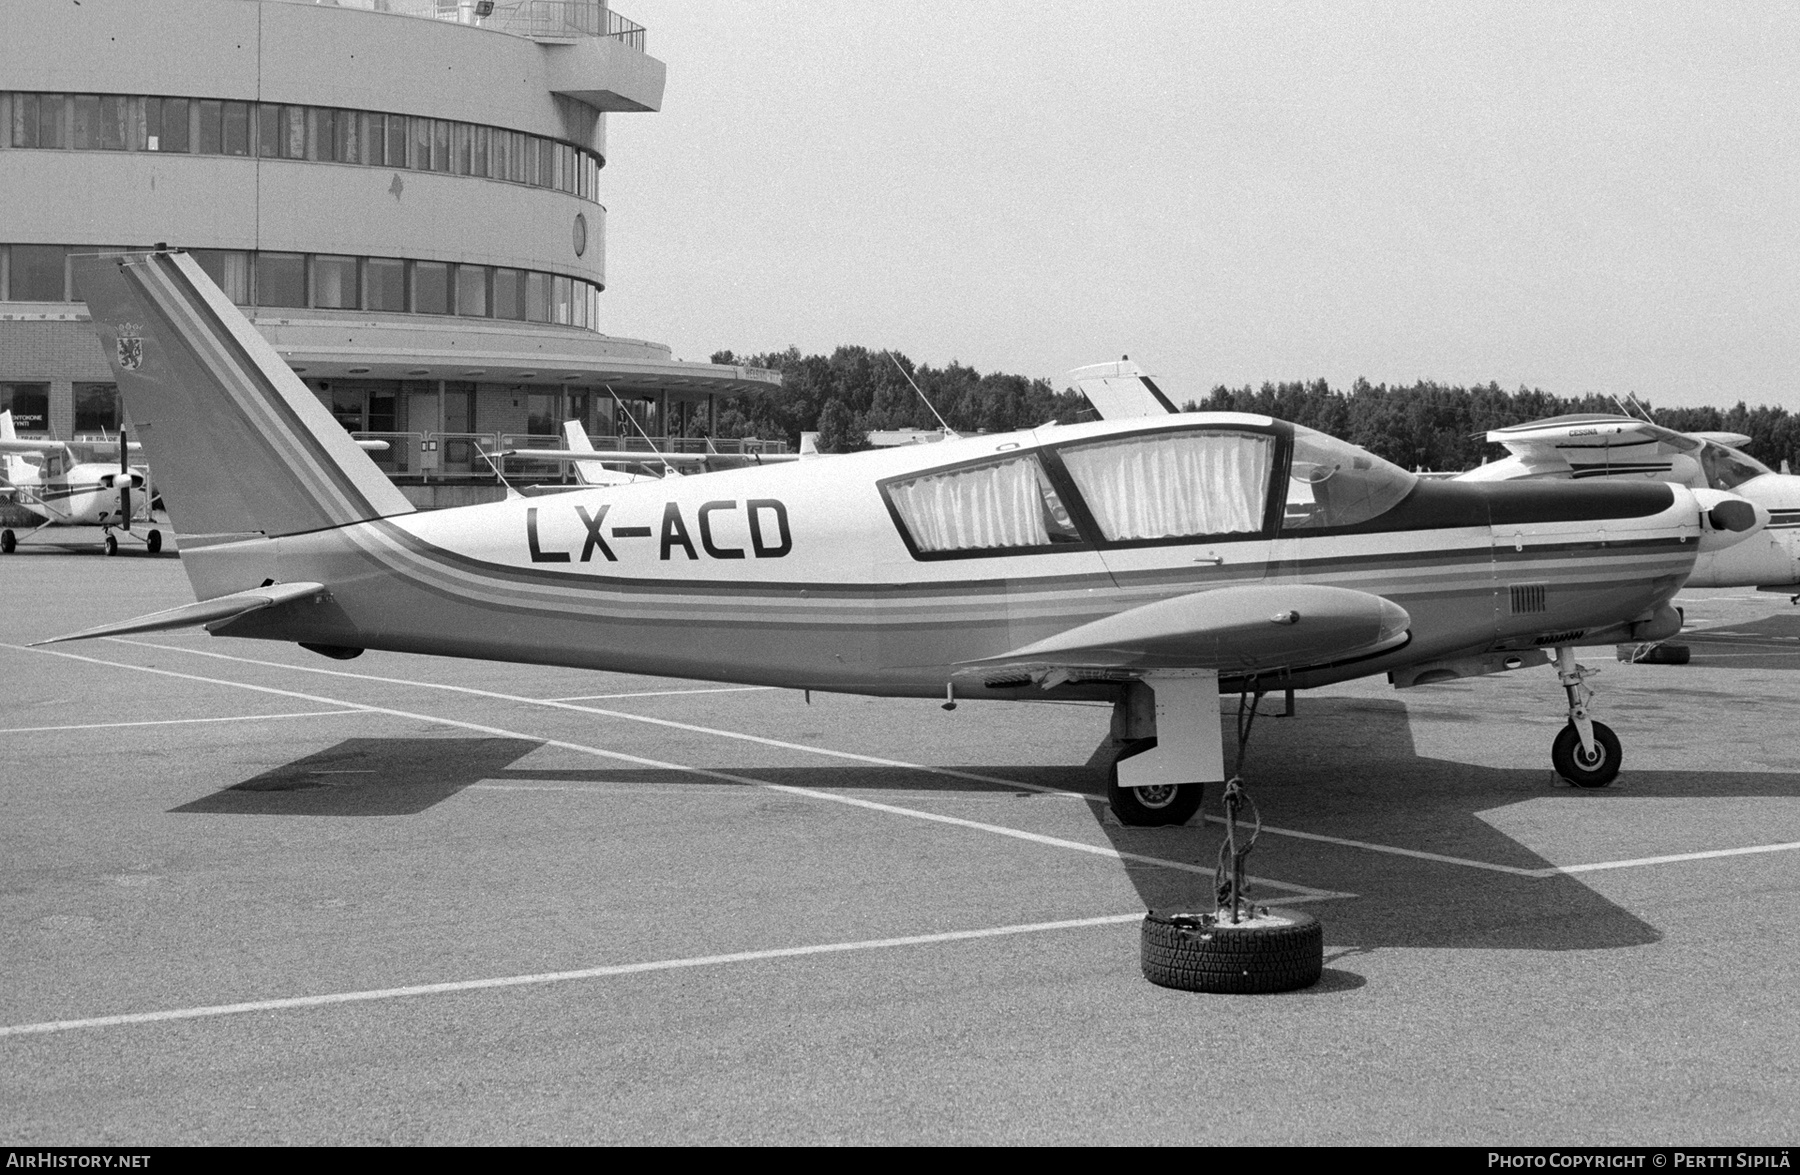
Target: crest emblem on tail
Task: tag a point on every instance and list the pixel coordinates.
(130, 346)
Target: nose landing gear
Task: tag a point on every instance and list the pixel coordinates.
(1586, 752)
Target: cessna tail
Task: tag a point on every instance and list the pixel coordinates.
(1146, 562)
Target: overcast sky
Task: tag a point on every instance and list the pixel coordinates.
(1578, 197)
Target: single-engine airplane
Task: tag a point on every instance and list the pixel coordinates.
(1149, 563)
(1589, 447)
(66, 484)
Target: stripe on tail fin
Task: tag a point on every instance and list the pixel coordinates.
(239, 445)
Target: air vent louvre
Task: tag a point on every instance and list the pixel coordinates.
(1528, 597)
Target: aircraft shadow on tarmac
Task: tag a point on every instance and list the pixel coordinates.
(1344, 767)
(1348, 768)
(368, 777)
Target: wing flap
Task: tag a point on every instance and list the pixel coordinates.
(1255, 627)
(205, 612)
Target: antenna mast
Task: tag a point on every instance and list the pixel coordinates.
(948, 431)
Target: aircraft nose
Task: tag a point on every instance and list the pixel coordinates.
(1733, 516)
(1727, 519)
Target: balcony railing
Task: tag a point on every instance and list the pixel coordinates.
(540, 19)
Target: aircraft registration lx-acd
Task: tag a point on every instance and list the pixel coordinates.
(1146, 562)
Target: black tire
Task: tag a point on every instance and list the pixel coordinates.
(153, 541)
(1572, 765)
(1182, 952)
(1666, 655)
(112, 545)
(1150, 807)
(8, 542)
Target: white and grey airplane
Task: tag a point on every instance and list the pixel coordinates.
(69, 484)
(1149, 563)
(1598, 447)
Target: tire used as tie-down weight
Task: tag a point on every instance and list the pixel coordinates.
(1273, 950)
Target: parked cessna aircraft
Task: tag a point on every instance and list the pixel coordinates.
(1579, 448)
(1583, 448)
(592, 465)
(1148, 563)
(67, 485)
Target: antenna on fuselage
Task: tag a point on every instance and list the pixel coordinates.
(620, 405)
(948, 431)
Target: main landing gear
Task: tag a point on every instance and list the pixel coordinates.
(1586, 753)
(152, 540)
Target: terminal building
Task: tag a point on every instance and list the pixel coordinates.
(405, 197)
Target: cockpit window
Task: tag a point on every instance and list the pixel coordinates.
(1174, 484)
(1727, 468)
(1331, 483)
(996, 506)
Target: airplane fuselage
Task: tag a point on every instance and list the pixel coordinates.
(807, 575)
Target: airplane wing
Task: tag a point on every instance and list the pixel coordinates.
(1249, 628)
(1120, 391)
(205, 612)
(14, 445)
(1732, 440)
(1584, 446)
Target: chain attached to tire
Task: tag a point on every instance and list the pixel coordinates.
(1228, 876)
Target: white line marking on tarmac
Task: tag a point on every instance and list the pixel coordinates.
(664, 693)
(639, 760)
(1673, 858)
(1394, 850)
(424, 989)
(180, 721)
(620, 714)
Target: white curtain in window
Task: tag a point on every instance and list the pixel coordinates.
(972, 509)
(1175, 484)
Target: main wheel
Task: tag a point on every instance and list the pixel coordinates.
(1279, 950)
(112, 545)
(1149, 807)
(153, 541)
(1580, 768)
(8, 542)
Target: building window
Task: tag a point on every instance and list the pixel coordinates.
(99, 122)
(38, 120)
(431, 287)
(96, 408)
(460, 147)
(471, 291)
(166, 124)
(229, 270)
(36, 273)
(334, 282)
(384, 284)
(509, 294)
(29, 404)
(537, 297)
(280, 279)
(440, 145)
(206, 137)
(421, 145)
(478, 158)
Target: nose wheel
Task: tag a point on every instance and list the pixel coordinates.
(1586, 752)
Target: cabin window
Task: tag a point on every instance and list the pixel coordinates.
(1331, 483)
(996, 506)
(1174, 484)
(1726, 468)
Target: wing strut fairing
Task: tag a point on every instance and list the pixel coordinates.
(1255, 628)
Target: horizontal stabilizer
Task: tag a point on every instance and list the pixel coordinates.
(1252, 628)
(205, 612)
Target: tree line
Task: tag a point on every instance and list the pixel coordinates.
(854, 391)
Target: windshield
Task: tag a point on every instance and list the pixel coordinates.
(1726, 468)
(1333, 483)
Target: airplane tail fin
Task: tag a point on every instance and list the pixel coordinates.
(588, 473)
(240, 447)
(10, 463)
(1120, 391)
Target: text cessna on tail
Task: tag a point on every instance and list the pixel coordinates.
(1145, 562)
(71, 485)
